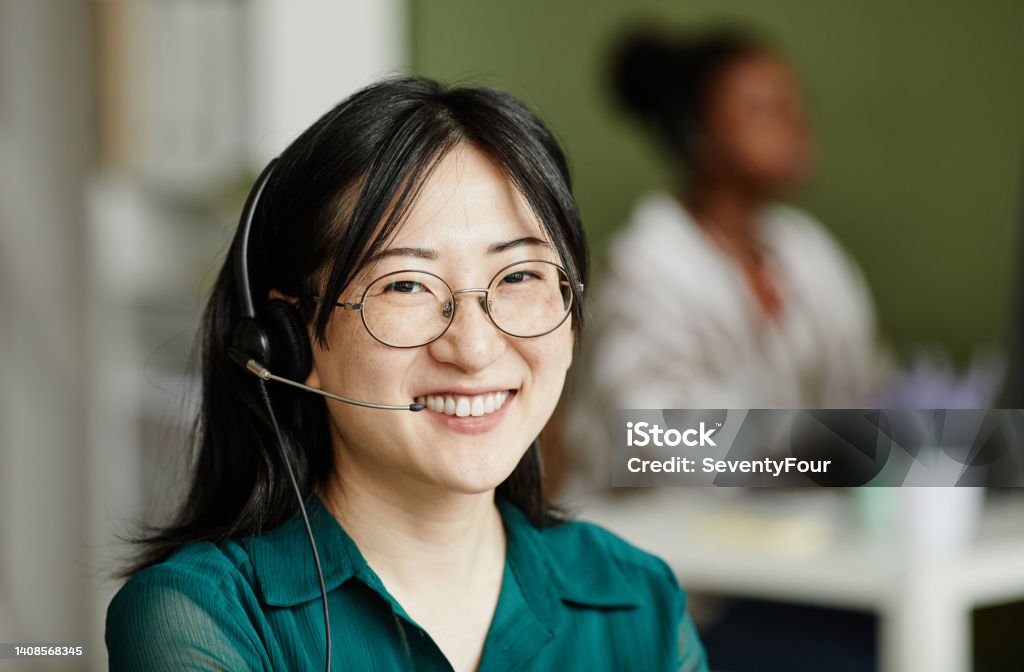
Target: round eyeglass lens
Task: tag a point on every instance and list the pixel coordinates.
(407, 308)
(530, 298)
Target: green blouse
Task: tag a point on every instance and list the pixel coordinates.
(574, 597)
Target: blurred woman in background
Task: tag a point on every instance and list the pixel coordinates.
(715, 294)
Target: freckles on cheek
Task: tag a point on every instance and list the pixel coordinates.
(340, 355)
(550, 356)
(562, 346)
(361, 367)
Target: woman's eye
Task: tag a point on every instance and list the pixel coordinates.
(405, 286)
(519, 276)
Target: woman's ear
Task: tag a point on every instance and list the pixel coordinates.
(274, 294)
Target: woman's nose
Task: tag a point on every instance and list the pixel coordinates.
(472, 342)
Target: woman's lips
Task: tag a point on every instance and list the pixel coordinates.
(468, 414)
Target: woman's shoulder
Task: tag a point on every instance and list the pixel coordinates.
(583, 546)
(598, 568)
(657, 215)
(192, 607)
(793, 228)
(660, 239)
(815, 256)
(201, 569)
(586, 537)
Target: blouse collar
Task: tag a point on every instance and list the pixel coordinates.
(550, 566)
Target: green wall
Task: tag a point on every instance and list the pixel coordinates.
(919, 110)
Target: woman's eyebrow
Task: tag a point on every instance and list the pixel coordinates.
(418, 252)
(495, 248)
(434, 255)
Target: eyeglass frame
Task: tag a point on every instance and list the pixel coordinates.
(485, 302)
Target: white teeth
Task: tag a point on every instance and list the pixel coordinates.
(462, 407)
(477, 407)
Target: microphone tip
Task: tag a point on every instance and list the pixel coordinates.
(416, 407)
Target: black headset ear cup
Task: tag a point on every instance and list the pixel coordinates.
(290, 353)
(249, 341)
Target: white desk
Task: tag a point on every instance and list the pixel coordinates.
(924, 601)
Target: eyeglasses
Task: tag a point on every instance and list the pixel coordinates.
(409, 309)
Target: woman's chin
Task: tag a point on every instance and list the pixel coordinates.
(476, 477)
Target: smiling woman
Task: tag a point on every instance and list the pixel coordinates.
(418, 244)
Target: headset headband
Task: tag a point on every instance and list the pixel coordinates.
(245, 298)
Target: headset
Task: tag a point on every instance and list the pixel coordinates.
(275, 339)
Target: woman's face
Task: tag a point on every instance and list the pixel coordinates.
(757, 127)
(467, 223)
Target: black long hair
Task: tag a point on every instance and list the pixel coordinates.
(336, 194)
(664, 79)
